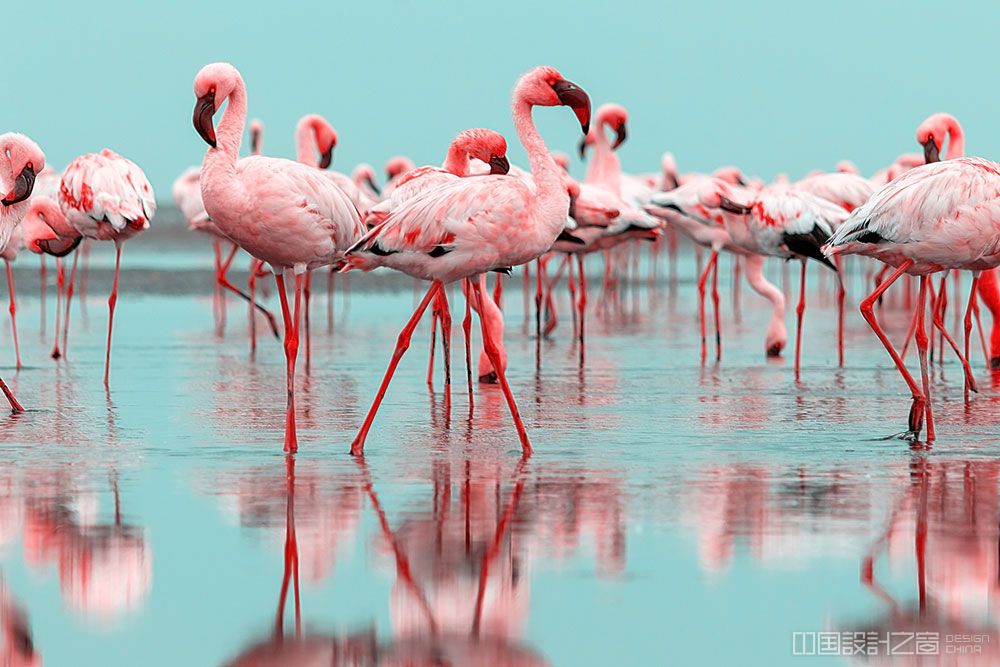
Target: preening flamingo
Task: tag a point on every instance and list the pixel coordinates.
(395, 168)
(20, 160)
(107, 197)
(683, 208)
(475, 225)
(943, 215)
(281, 212)
(363, 176)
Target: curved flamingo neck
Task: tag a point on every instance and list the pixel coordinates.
(956, 140)
(229, 133)
(544, 169)
(218, 170)
(457, 160)
(605, 169)
(305, 145)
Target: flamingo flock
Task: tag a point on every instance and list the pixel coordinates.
(477, 214)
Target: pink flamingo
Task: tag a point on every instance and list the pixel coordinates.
(395, 168)
(281, 212)
(363, 176)
(683, 208)
(476, 225)
(479, 146)
(106, 197)
(911, 226)
(313, 134)
(20, 160)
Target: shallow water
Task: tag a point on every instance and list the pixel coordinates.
(673, 513)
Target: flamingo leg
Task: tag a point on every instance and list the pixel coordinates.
(291, 352)
(42, 279)
(737, 270)
(307, 297)
(112, 301)
(69, 300)
(217, 291)
(938, 323)
(13, 312)
(467, 331)
(800, 311)
(582, 304)
(222, 281)
(968, 320)
(330, 278)
(15, 406)
(526, 284)
(291, 551)
(498, 291)
(60, 279)
(402, 343)
(702, 282)
(841, 299)
(435, 309)
(921, 339)
(715, 310)
(251, 292)
(571, 282)
(493, 352)
(867, 311)
(445, 317)
(538, 313)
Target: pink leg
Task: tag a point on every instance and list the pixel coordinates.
(223, 282)
(582, 305)
(291, 552)
(800, 312)
(402, 343)
(841, 298)
(112, 300)
(493, 352)
(467, 331)
(15, 406)
(702, 282)
(291, 352)
(538, 313)
(43, 278)
(737, 270)
(330, 278)
(968, 321)
(445, 317)
(13, 312)
(251, 291)
(69, 300)
(868, 312)
(60, 279)
(571, 281)
(938, 323)
(526, 273)
(498, 291)
(921, 338)
(217, 292)
(307, 296)
(715, 310)
(435, 309)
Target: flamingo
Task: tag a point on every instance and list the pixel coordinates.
(20, 160)
(363, 176)
(107, 197)
(314, 133)
(683, 208)
(395, 168)
(281, 212)
(939, 216)
(475, 225)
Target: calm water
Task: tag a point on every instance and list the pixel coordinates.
(673, 514)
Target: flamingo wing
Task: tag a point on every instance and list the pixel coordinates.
(108, 187)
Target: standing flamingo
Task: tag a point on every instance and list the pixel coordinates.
(106, 197)
(20, 160)
(281, 212)
(943, 215)
(475, 225)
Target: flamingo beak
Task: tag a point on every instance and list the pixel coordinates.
(732, 207)
(326, 157)
(373, 185)
(23, 186)
(622, 134)
(931, 151)
(499, 164)
(582, 148)
(204, 109)
(574, 97)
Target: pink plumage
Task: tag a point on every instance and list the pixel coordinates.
(106, 196)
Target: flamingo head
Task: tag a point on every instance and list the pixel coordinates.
(614, 116)
(716, 193)
(256, 136)
(397, 166)
(213, 86)
(730, 174)
(364, 173)
(545, 86)
(847, 167)
(24, 159)
(932, 133)
(324, 135)
(487, 146)
(44, 229)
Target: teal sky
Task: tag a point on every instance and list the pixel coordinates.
(776, 87)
